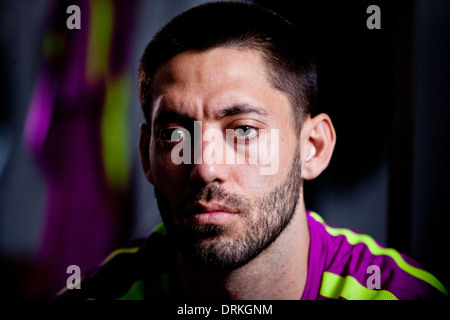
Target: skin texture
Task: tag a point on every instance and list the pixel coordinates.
(239, 234)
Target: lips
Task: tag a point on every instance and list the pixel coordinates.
(213, 213)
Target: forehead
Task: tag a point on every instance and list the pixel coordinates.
(201, 83)
(214, 66)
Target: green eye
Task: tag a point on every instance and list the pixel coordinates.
(178, 135)
(172, 135)
(245, 132)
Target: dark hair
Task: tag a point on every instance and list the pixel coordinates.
(284, 49)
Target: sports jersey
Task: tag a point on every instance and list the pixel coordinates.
(342, 264)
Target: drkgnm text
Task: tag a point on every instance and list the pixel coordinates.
(231, 309)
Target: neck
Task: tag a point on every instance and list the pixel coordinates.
(279, 272)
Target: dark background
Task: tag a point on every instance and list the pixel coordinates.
(387, 92)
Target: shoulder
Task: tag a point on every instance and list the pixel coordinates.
(358, 267)
(122, 274)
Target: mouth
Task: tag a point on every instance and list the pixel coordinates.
(211, 213)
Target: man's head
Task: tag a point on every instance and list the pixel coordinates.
(284, 50)
(243, 72)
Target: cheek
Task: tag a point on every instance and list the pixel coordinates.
(249, 181)
(278, 168)
(272, 167)
(168, 177)
(286, 153)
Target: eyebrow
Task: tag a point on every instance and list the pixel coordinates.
(241, 108)
(178, 117)
(172, 116)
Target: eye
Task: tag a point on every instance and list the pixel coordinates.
(173, 134)
(243, 132)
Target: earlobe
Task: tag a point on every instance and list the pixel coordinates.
(144, 147)
(319, 139)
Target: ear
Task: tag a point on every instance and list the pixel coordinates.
(144, 147)
(318, 139)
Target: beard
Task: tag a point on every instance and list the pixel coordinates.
(217, 247)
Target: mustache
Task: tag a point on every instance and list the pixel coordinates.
(213, 192)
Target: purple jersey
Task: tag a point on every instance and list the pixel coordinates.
(344, 264)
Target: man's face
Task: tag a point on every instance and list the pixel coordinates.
(221, 214)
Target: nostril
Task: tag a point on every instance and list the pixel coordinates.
(208, 173)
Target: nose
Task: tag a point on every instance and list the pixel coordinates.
(208, 173)
(207, 170)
